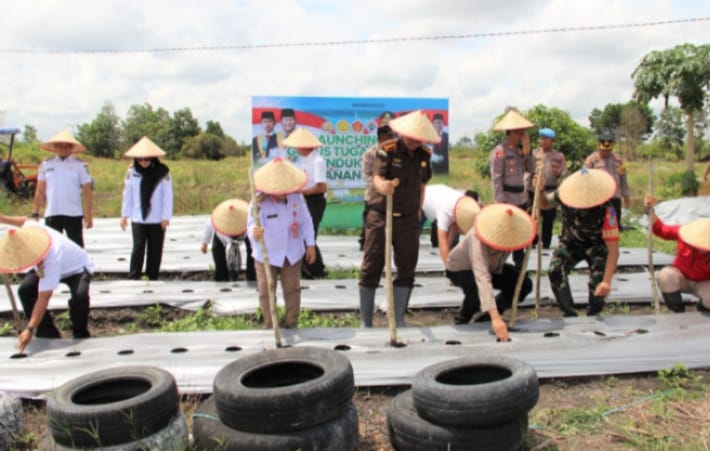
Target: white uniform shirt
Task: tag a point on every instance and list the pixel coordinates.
(315, 168)
(161, 203)
(64, 180)
(209, 232)
(439, 204)
(65, 258)
(287, 225)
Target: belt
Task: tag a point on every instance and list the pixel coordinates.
(513, 189)
(550, 187)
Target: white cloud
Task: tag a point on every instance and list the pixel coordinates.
(575, 71)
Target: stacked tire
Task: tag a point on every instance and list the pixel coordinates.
(284, 399)
(129, 408)
(471, 403)
(11, 420)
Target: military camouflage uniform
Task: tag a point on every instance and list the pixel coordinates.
(584, 232)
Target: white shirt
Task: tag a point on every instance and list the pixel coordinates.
(315, 168)
(161, 202)
(209, 232)
(65, 258)
(439, 204)
(287, 225)
(64, 180)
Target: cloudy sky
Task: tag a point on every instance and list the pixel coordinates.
(47, 81)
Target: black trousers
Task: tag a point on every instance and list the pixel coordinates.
(73, 225)
(316, 207)
(150, 236)
(616, 202)
(78, 304)
(548, 219)
(219, 256)
(505, 282)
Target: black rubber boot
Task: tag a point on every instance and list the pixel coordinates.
(367, 306)
(401, 300)
(563, 296)
(596, 305)
(674, 301)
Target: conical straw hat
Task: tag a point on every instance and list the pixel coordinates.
(230, 217)
(278, 176)
(697, 234)
(416, 125)
(144, 148)
(63, 137)
(23, 248)
(465, 212)
(302, 138)
(587, 188)
(512, 121)
(504, 227)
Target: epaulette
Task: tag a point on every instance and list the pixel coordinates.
(425, 149)
(387, 147)
(500, 153)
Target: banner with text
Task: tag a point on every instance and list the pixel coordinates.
(346, 126)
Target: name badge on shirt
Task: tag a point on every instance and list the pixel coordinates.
(50, 169)
(272, 216)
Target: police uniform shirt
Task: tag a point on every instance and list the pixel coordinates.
(614, 166)
(411, 170)
(508, 167)
(287, 226)
(64, 259)
(64, 180)
(439, 204)
(209, 232)
(314, 166)
(551, 161)
(161, 202)
(472, 254)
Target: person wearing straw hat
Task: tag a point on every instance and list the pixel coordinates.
(53, 259)
(148, 202)
(384, 133)
(605, 158)
(310, 160)
(477, 264)
(441, 204)
(225, 229)
(509, 161)
(590, 232)
(61, 181)
(690, 270)
(287, 230)
(554, 169)
(401, 169)
(266, 146)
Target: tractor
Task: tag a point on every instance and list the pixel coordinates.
(15, 178)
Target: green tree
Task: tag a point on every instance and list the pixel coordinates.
(204, 146)
(183, 126)
(682, 72)
(29, 135)
(143, 120)
(670, 131)
(102, 136)
(610, 118)
(214, 128)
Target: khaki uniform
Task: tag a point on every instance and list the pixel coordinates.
(553, 162)
(508, 167)
(614, 166)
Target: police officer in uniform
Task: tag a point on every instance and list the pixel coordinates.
(590, 232)
(554, 169)
(402, 168)
(509, 161)
(61, 181)
(606, 159)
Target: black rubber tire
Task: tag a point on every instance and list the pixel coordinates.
(11, 420)
(475, 391)
(284, 390)
(113, 406)
(209, 433)
(409, 432)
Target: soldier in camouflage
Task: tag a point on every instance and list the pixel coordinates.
(590, 232)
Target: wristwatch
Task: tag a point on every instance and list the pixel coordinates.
(31, 329)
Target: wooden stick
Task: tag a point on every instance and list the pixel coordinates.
(391, 320)
(651, 271)
(13, 302)
(524, 266)
(265, 261)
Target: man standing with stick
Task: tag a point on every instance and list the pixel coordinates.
(401, 170)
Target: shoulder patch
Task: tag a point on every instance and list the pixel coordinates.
(425, 149)
(500, 153)
(389, 146)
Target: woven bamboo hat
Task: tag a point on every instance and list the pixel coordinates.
(230, 217)
(697, 234)
(144, 148)
(512, 120)
(417, 126)
(302, 138)
(278, 176)
(63, 137)
(23, 248)
(504, 227)
(587, 188)
(465, 212)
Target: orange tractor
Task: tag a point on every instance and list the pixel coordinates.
(16, 178)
